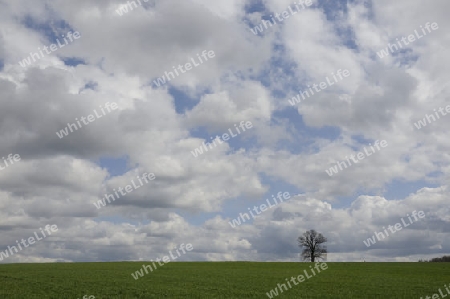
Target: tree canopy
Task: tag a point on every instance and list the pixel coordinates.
(311, 243)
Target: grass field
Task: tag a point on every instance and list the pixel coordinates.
(221, 280)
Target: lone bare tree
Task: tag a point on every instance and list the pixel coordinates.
(311, 242)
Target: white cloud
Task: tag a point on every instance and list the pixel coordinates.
(249, 79)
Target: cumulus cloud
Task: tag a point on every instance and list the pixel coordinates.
(156, 129)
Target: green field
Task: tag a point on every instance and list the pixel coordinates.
(221, 280)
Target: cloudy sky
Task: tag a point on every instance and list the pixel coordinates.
(116, 54)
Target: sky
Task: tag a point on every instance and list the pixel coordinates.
(95, 110)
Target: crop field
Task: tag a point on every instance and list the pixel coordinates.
(222, 280)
